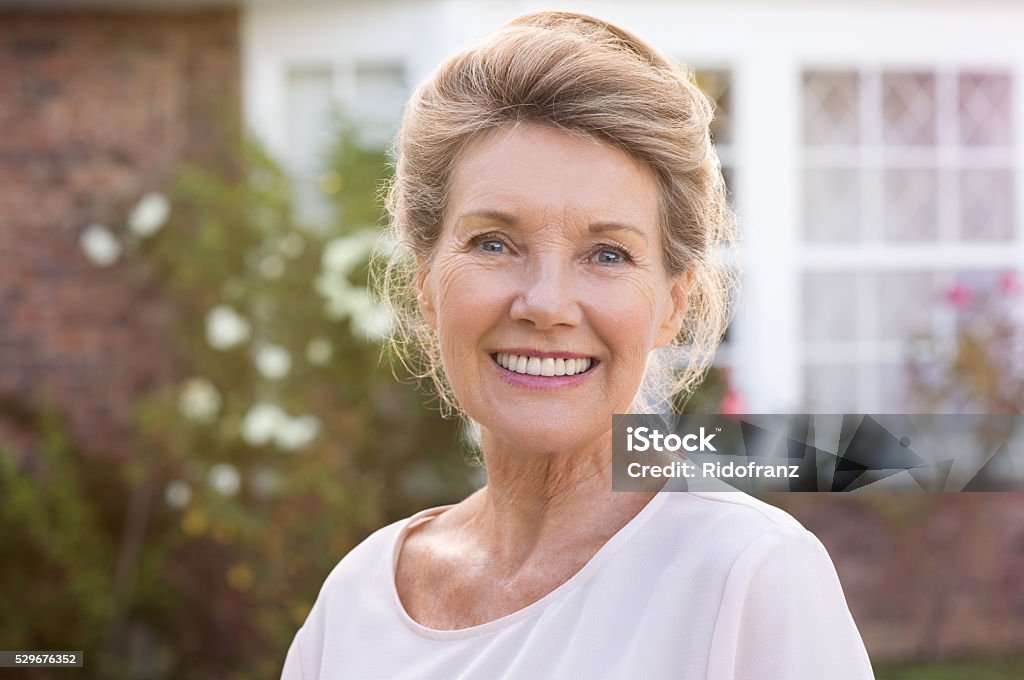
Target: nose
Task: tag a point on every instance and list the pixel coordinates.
(547, 295)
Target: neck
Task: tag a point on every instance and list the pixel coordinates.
(537, 504)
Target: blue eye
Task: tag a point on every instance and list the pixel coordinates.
(492, 246)
(609, 256)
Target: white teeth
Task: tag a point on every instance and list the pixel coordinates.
(547, 366)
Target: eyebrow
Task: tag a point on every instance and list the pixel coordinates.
(512, 220)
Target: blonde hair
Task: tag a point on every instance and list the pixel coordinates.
(581, 75)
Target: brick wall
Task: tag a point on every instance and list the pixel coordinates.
(926, 575)
(96, 108)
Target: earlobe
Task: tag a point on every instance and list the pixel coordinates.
(673, 322)
(424, 293)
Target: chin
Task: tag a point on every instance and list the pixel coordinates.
(547, 432)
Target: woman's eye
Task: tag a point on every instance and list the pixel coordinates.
(492, 246)
(609, 256)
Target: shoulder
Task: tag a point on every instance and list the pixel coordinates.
(737, 508)
(725, 525)
(782, 610)
(738, 543)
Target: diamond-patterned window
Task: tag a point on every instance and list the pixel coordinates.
(908, 156)
(716, 83)
(985, 103)
(831, 108)
(905, 171)
(909, 109)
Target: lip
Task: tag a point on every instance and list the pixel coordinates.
(541, 382)
(542, 354)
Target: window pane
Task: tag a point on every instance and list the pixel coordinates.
(380, 94)
(717, 85)
(830, 307)
(308, 105)
(908, 108)
(832, 204)
(985, 109)
(830, 388)
(910, 204)
(905, 303)
(831, 108)
(987, 204)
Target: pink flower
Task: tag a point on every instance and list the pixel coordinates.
(732, 403)
(1009, 284)
(959, 295)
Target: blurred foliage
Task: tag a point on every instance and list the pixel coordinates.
(980, 368)
(201, 556)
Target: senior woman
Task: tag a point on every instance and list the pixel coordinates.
(558, 190)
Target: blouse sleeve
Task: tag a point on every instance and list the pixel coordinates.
(784, 616)
(293, 662)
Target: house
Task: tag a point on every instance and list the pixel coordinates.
(873, 151)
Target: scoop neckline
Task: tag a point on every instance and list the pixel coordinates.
(532, 609)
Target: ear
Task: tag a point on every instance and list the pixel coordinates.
(673, 321)
(425, 291)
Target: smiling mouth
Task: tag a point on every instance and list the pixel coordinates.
(543, 366)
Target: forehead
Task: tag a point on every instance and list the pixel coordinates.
(538, 171)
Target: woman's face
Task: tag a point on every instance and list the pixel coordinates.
(547, 288)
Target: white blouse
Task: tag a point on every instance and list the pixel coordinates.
(715, 586)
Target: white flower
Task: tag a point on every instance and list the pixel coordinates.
(199, 400)
(296, 433)
(261, 423)
(292, 245)
(271, 267)
(177, 494)
(373, 321)
(273, 361)
(345, 252)
(387, 245)
(226, 328)
(150, 215)
(368, 318)
(266, 423)
(335, 288)
(224, 478)
(99, 245)
(319, 351)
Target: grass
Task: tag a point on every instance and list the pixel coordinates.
(1011, 668)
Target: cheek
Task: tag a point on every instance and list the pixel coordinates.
(469, 300)
(624, 313)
